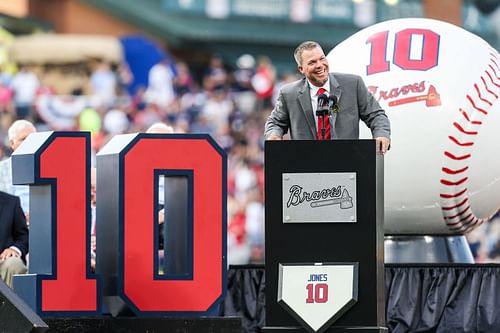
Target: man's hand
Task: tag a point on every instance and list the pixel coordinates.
(383, 144)
(7, 253)
(275, 137)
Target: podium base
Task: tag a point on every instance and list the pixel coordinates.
(333, 329)
(143, 325)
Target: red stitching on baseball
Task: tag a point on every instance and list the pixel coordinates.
(457, 228)
(487, 89)
(461, 129)
(454, 172)
(457, 158)
(493, 60)
(462, 220)
(458, 214)
(492, 51)
(451, 183)
(466, 116)
(476, 219)
(473, 225)
(462, 144)
(481, 97)
(474, 105)
(456, 206)
(496, 76)
(494, 71)
(450, 196)
(491, 79)
(470, 224)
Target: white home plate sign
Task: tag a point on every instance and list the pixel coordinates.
(317, 294)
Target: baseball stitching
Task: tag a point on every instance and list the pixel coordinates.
(454, 198)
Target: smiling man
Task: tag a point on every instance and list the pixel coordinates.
(345, 96)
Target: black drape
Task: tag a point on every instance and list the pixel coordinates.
(245, 296)
(443, 299)
(424, 298)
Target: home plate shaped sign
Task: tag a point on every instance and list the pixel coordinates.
(317, 294)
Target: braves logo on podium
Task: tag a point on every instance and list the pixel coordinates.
(335, 195)
(319, 197)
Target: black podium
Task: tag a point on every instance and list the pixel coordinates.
(324, 225)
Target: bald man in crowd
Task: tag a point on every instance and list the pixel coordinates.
(17, 133)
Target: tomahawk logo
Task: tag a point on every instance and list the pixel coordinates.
(408, 93)
(324, 197)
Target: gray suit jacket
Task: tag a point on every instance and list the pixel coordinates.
(293, 110)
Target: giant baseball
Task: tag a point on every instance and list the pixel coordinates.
(440, 87)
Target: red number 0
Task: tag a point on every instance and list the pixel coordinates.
(402, 47)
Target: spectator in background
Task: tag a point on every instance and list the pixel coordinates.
(18, 131)
(215, 76)
(238, 247)
(124, 78)
(115, 122)
(244, 95)
(138, 101)
(160, 90)
(254, 225)
(263, 82)
(217, 109)
(183, 81)
(6, 100)
(13, 238)
(24, 85)
(103, 82)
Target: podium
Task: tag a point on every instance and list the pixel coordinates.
(324, 215)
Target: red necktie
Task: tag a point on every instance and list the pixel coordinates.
(320, 121)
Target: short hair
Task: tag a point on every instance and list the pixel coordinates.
(160, 127)
(309, 45)
(17, 127)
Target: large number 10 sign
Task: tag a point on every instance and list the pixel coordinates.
(57, 166)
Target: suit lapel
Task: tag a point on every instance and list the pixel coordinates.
(305, 102)
(335, 90)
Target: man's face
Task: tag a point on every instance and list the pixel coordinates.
(23, 134)
(314, 66)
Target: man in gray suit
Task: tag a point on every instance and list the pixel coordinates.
(295, 108)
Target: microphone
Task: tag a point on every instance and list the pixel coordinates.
(323, 103)
(322, 111)
(332, 102)
(322, 98)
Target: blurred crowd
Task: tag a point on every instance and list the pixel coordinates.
(228, 101)
(484, 241)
